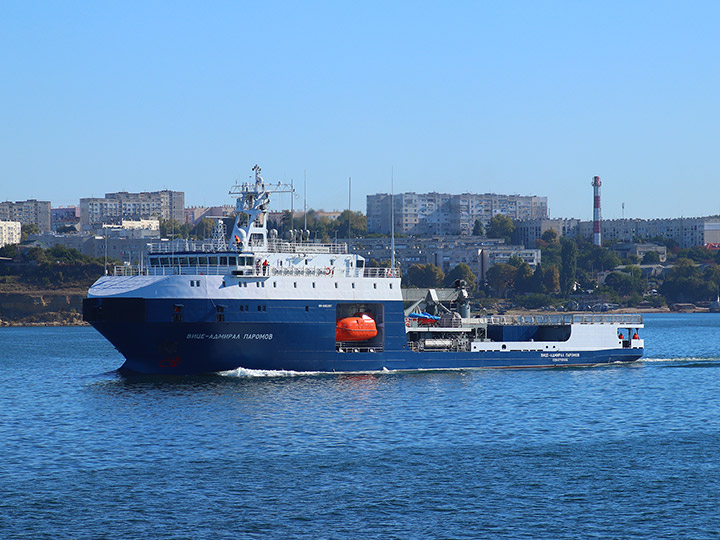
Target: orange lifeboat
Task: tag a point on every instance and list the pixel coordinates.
(359, 327)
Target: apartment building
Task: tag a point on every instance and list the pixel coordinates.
(687, 232)
(445, 252)
(428, 214)
(27, 212)
(10, 232)
(165, 204)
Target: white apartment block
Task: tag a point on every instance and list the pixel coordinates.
(687, 232)
(528, 232)
(10, 232)
(114, 207)
(429, 214)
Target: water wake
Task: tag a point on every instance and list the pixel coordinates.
(682, 359)
(266, 373)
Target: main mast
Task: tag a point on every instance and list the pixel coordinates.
(253, 199)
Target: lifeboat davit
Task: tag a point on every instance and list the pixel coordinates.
(359, 327)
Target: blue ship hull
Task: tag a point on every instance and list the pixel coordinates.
(286, 335)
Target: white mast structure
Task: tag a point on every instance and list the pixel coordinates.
(392, 219)
(253, 199)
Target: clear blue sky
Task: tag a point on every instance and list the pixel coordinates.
(507, 97)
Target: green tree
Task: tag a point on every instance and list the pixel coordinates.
(651, 257)
(10, 251)
(550, 236)
(501, 277)
(28, 228)
(538, 280)
(551, 279)
(687, 282)
(524, 279)
(339, 226)
(500, 226)
(478, 229)
(515, 261)
(461, 271)
(424, 275)
(204, 229)
(625, 284)
(568, 255)
(171, 228)
(595, 259)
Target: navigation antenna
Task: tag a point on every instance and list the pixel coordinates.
(219, 240)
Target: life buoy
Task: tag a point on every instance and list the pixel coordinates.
(407, 322)
(390, 273)
(328, 271)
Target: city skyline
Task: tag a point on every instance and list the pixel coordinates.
(518, 98)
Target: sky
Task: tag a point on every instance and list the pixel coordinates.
(529, 98)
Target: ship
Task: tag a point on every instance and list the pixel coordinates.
(253, 300)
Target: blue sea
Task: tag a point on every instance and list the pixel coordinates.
(627, 451)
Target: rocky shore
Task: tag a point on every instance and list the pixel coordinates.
(42, 308)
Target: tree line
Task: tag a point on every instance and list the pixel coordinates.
(56, 267)
(569, 272)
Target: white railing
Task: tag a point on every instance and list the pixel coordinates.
(620, 319)
(178, 246)
(305, 247)
(380, 272)
(629, 319)
(274, 246)
(248, 271)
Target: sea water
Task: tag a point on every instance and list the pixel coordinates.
(625, 451)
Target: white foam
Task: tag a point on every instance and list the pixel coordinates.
(681, 359)
(251, 373)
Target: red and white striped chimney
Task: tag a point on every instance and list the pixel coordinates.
(597, 220)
